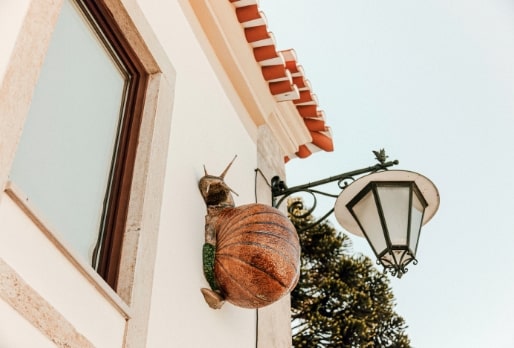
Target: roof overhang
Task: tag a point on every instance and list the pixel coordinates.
(270, 84)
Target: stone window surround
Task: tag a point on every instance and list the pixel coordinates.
(132, 296)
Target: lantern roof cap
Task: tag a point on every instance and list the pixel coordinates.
(425, 186)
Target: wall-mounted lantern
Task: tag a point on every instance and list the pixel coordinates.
(387, 207)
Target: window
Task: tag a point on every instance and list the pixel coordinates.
(76, 155)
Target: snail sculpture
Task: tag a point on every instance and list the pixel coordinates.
(251, 255)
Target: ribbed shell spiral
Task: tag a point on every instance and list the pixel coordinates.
(257, 257)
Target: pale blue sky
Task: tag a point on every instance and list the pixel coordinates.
(432, 82)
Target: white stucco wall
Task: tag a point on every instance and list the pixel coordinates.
(206, 129)
(13, 324)
(39, 263)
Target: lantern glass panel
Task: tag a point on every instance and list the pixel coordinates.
(366, 213)
(417, 210)
(394, 201)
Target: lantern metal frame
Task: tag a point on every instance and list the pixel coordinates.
(351, 191)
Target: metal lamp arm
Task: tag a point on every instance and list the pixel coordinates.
(279, 188)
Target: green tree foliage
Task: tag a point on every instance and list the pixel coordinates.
(341, 300)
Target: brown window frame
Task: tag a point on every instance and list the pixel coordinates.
(118, 193)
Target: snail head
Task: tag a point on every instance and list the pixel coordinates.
(215, 191)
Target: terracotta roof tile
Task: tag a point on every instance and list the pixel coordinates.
(248, 13)
(258, 33)
(280, 87)
(275, 72)
(303, 152)
(316, 125)
(285, 77)
(265, 52)
(322, 140)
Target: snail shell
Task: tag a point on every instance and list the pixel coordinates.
(257, 259)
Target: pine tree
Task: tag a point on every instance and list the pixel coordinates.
(341, 299)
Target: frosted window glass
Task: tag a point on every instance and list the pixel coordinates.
(64, 158)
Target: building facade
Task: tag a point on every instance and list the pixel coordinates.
(109, 111)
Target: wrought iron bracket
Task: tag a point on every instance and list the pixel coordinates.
(280, 191)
